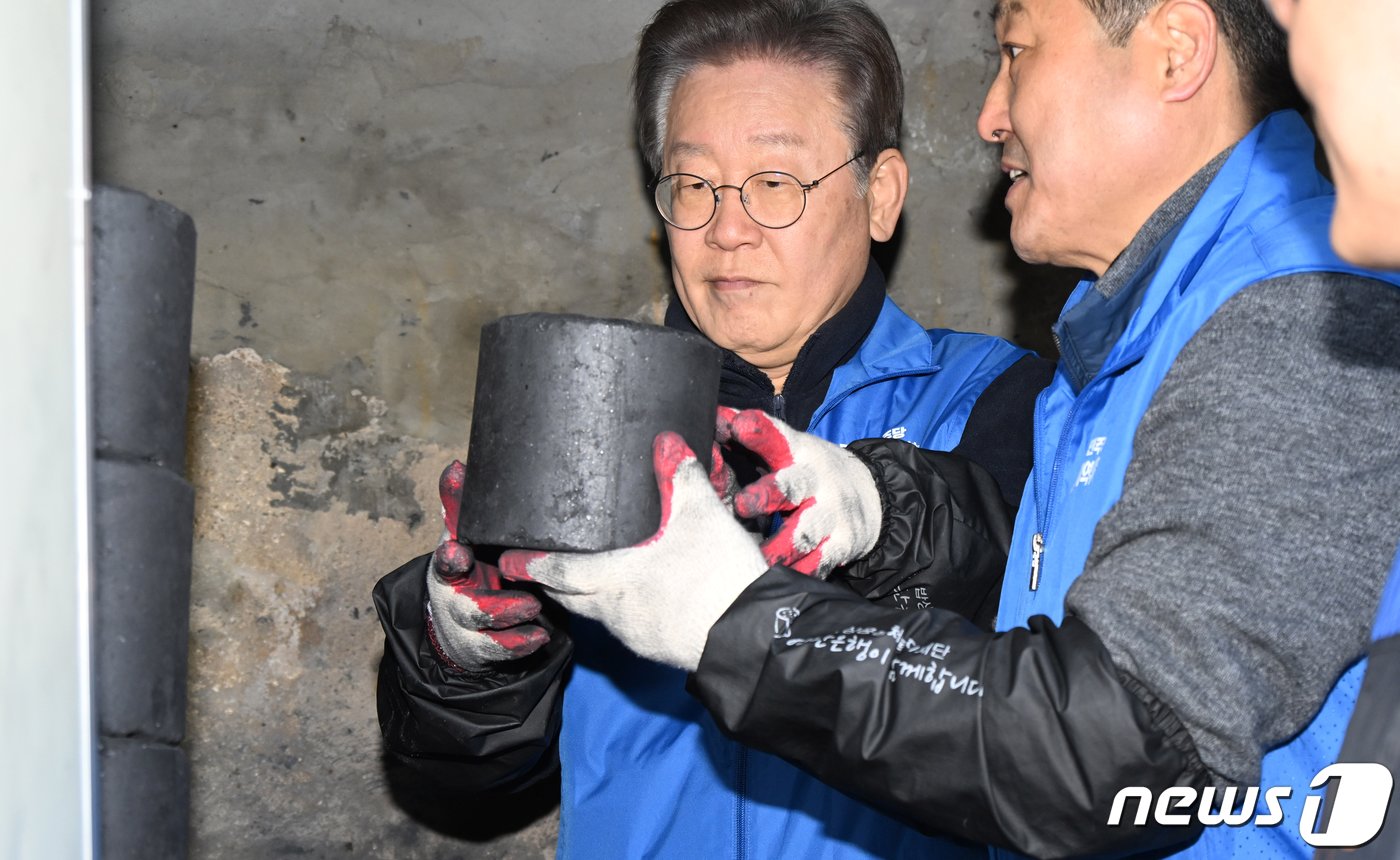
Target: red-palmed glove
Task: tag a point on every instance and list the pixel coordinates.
(830, 505)
(722, 477)
(662, 596)
(472, 620)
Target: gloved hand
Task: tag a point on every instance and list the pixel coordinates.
(831, 507)
(722, 478)
(662, 596)
(472, 621)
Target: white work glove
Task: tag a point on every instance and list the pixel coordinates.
(830, 505)
(662, 596)
(472, 621)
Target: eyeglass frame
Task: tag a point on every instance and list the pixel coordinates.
(805, 186)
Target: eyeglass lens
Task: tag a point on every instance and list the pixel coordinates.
(774, 200)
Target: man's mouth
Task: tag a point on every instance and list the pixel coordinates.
(1017, 174)
(732, 282)
(1013, 157)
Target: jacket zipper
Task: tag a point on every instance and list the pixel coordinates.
(741, 781)
(741, 836)
(1043, 522)
(1037, 550)
(1044, 511)
(741, 786)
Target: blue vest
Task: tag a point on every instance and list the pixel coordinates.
(1265, 215)
(646, 773)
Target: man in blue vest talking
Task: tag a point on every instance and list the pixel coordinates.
(1203, 541)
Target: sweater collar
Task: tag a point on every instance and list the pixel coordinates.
(1088, 331)
(742, 385)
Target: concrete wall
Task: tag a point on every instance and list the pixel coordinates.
(371, 182)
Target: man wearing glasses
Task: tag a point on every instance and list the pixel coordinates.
(773, 130)
(1202, 543)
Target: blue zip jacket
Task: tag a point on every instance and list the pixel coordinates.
(646, 773)
(1265, 215)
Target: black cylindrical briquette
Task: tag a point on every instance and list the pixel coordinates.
(143, 534)
(566, 410)
(143, 254)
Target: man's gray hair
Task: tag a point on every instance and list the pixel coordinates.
(1258, 46)
(842, 37)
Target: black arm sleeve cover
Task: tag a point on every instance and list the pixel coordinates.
(495, 730)
(944, 537)
(1020, 739)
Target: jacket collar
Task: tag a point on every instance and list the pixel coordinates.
(832, 345)
(1087, 331)
(1267, 170)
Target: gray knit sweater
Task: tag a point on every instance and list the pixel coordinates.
(1238, 575)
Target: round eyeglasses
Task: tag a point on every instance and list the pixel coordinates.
(772, 198)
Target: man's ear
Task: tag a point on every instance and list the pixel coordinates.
(889, 182)
(1188, 37)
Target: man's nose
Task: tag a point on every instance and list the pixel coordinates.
(994, 121)
(732, 227)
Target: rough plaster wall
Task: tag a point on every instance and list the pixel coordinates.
(371, 182)
(303, 495)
